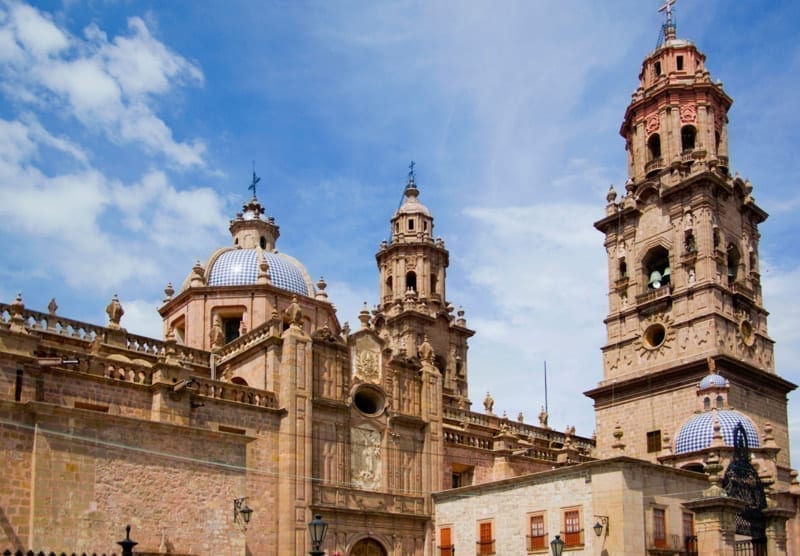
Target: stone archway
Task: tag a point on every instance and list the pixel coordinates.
(368, 547)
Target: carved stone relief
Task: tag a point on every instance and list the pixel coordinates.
(365, 459)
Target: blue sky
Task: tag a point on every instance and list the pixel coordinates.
(128, 130)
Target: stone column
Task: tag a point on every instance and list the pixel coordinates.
(715, 522)
(776, 530)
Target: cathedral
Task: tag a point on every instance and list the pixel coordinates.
(258, 410)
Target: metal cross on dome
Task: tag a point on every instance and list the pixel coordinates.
(255, 181)
(411, 174)
(667, 7)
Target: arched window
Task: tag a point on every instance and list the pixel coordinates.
(389, 284)
(263, 242)
(706, 403)
(654, 146)
(434, 283)
(411, 281)
(688, 136)
(657, 271)
(716, 141)
(623, 268)
(719, 402)
(239, 380)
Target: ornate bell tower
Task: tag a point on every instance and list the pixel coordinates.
(684, 284)
(412, 304)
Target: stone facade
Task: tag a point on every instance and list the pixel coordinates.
(258, 394)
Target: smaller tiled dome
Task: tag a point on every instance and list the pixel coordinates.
(712, 380)
(697, 432)
(239, 267)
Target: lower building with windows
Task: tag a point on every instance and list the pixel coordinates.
(615, 506)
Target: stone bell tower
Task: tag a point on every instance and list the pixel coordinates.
(413, 304)
(684, 283)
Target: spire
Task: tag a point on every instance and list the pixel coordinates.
(668, 29)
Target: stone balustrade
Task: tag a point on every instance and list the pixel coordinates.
(235, 393)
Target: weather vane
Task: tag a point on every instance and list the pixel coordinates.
(256, 179)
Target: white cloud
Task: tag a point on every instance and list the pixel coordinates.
(107, 86)
(36, 32)
(141, 317)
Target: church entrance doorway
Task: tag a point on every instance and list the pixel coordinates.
(368, 547)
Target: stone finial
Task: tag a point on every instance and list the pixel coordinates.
(345, 330)
(364, 317)
(520, 417)
(17, 308)
(197, 278)
(169, 291)
(460, 320)
(293, 313)
(543, 416)
(52, 307)
(716, 436)
(713, 469)
(611, 196)
(114, 311)
(263, 273)
(426, 350)
(488, 403)
(321, 285)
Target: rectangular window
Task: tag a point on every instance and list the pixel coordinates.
(680, 63)
(231, 327)
(659, 528)
(446, 542)
(572, 528)
(537, 539)
(653, 441)
(485, 538)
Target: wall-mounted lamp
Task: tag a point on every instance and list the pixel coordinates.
(557, 546)
(601, 525)
(241, 513)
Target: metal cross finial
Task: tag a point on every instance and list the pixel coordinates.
(667, 7)
(256, 179)
(411, 174)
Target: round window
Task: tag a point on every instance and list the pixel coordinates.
(654, 335)
(369, 400)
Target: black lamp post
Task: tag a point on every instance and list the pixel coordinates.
(600, 525)
(557, 546)
(317, 528)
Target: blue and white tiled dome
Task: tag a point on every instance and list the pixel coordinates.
(697, 432)
(239, 267)
(712, 380)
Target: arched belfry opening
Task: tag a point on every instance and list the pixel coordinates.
(411, 281)
(657, 272)
(654, 146)
(688, 138)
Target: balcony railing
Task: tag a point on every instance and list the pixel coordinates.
(652, 295)
(537, 542)
(484, 547)
(449, 550)
(654, 165)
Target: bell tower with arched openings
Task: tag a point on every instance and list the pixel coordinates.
(684, 285)
(413, 305)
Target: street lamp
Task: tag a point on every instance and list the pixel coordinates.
(557, 546)
(317, 528)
